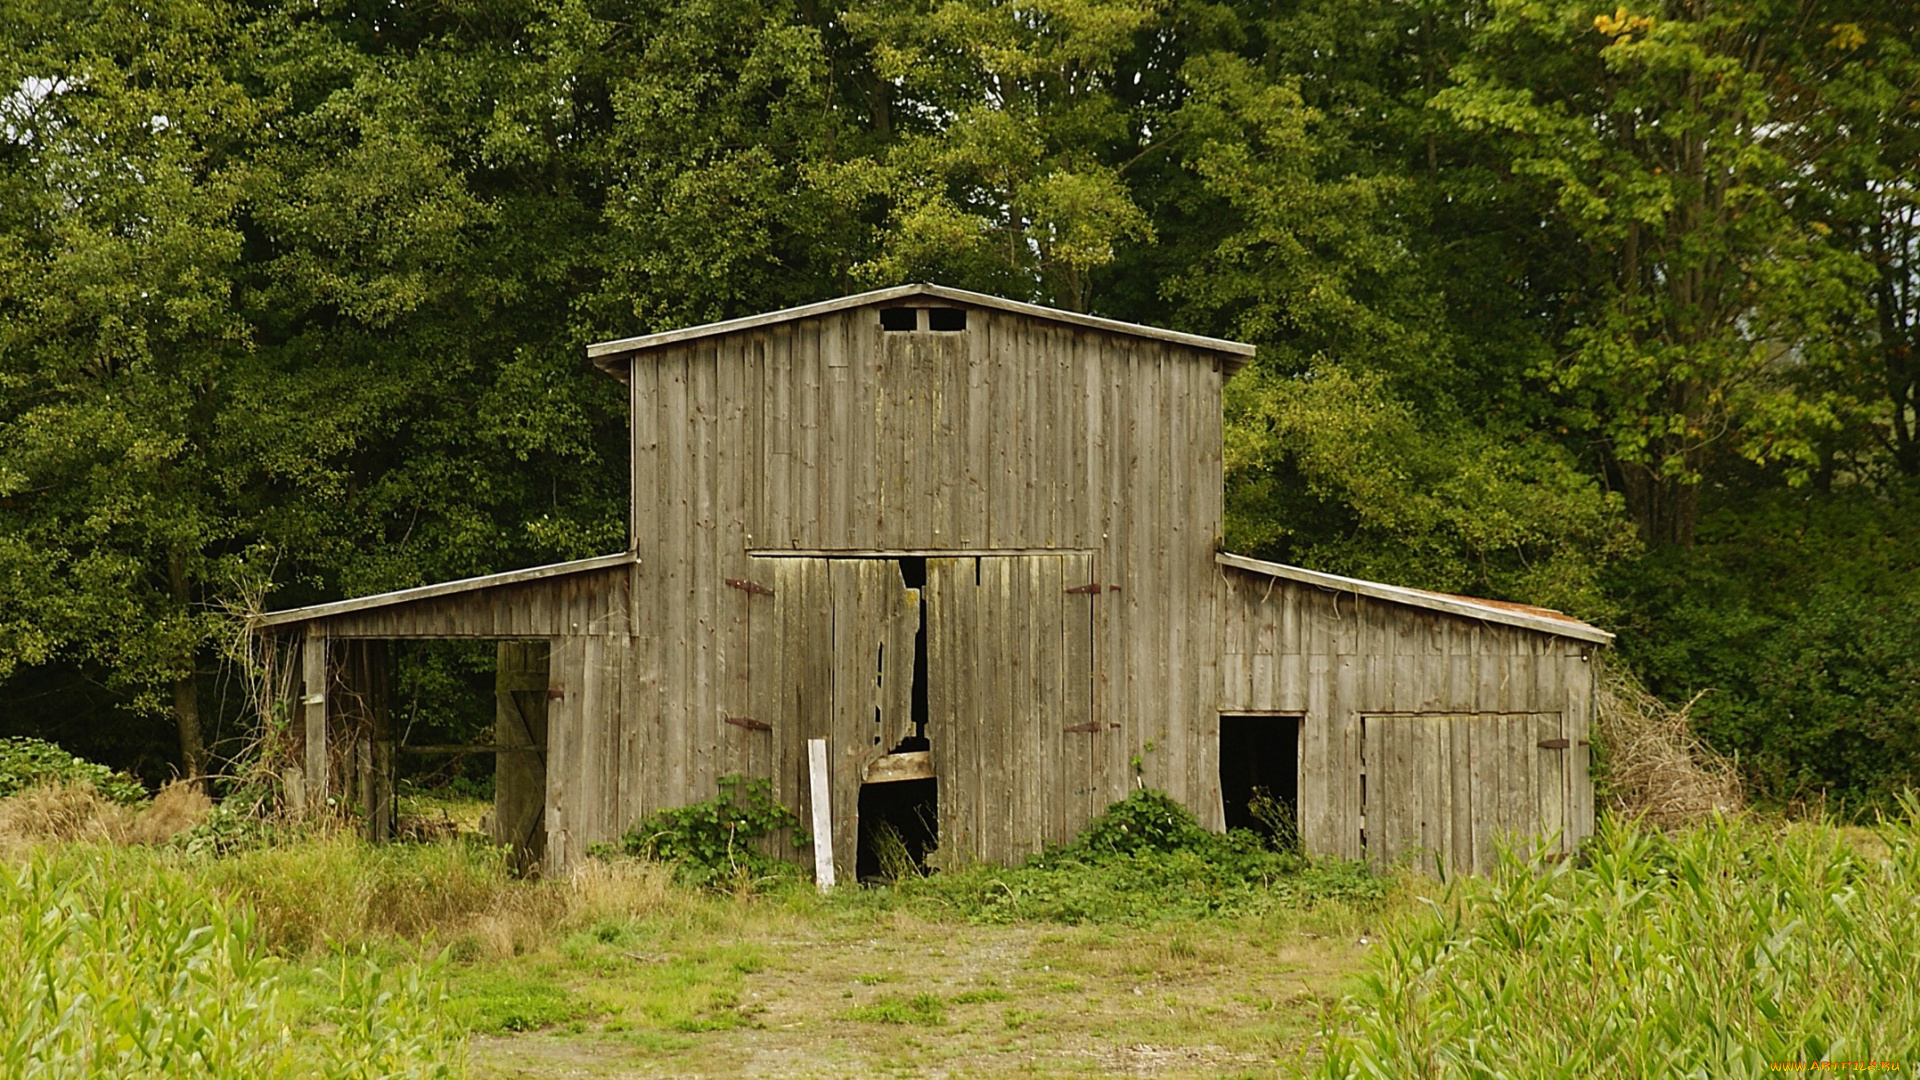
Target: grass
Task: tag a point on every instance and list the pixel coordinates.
(1709, 951)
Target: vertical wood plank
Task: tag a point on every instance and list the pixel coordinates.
(1080, 786)
(314, 702)
(823, 500)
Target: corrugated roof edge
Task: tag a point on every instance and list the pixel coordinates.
(607, 354)
(444, 588)
(1545, 620)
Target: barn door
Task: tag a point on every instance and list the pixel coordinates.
(520, 757)
(833, 651)
(1447, 789)
(1010, 702)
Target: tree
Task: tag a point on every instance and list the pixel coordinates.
(1005, 121)
(1855, 115)
(1707, 297)
(1337, 252)
(121, 342)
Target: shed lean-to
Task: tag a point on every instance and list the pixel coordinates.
(974, 544)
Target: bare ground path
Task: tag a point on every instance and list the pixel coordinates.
(892, 995)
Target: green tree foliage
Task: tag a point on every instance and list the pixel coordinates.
(1658, 138)
(1796, 613)
(292, 296)
(1005, 121)
(125, 354)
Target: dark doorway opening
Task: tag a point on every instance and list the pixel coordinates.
(1260, 774)
(913, 574)
(899, 826)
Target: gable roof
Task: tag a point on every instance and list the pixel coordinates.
(1525, 616)
(444, 588)
(610, 356)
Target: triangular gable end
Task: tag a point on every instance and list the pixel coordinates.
(613, 357)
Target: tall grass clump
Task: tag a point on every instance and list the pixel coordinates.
(1711, 951)
(116, 965)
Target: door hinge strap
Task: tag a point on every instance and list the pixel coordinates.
(749, 723)
(1088, 728)
(751, 588)
(1554, 744)
(1093, 588)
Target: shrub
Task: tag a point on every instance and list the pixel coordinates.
(1145, 859)
(714, 843)
(1147, 820)
(31, 763)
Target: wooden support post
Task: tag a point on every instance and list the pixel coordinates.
(822, 779)
(375, 671)
(294, 782)
(313, 702)
(363, 769)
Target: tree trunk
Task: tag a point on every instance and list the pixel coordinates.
(186, 713)
(186, 690)
(1664, 509)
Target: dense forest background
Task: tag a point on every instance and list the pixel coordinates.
(1610, 310)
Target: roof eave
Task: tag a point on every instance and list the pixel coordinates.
(333, 608)
(1466, 608)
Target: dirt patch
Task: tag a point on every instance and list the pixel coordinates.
(897, 996)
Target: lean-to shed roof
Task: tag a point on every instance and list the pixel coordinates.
(1545, 620)
(612, 356)
(445, 588)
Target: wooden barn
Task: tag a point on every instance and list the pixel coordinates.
(974, 545)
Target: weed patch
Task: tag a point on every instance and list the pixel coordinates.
(1145, 860)
(492, 1001)
(920, 1010)
(714, 844)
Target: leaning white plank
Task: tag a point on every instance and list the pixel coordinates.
(822, 813)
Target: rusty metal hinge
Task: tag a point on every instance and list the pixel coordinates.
(1093, 588)
(1089, 728)
(1557, 744)
(749, 723)
(751, 588)
(555, 693)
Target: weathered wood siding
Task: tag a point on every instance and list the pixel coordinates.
(591, 602)
(1484, 696)
(1010, 663)
(827, 436)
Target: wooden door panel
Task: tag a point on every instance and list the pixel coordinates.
(1447, 789)
(1010, 702)
(520, 765)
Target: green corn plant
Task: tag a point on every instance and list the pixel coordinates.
(110, 966)
(1713, 951)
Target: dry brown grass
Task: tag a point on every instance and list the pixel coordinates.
(75, 813)
(1657, 768)
(178, 807)
(329, 890)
